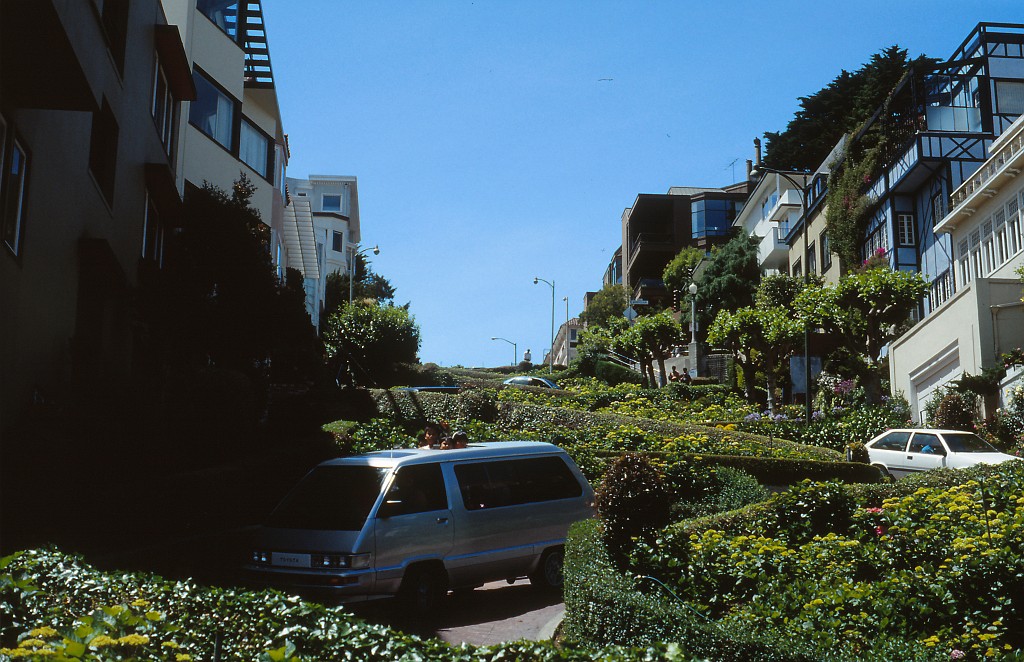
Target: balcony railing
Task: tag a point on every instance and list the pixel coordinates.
(649, 241)
(990, 169)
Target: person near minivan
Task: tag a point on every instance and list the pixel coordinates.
(458, 440)
(433, 435)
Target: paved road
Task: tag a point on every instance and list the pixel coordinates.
(492, 614)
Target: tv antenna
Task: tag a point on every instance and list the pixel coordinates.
(733, 166)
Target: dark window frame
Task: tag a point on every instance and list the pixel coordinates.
(103, 148)
(236, 111)
(9, 143)
(268, 167)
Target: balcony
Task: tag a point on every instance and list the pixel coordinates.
(650, 241)
(789, 201)
(1006, 162)
(773, 251)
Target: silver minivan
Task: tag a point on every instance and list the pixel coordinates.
(418, 522)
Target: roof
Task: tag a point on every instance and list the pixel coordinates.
(474, 451)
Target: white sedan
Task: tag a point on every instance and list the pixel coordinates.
(901, 452)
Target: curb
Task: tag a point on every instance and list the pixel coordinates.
(549, 628)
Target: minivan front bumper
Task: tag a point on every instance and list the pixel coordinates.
(341, 586)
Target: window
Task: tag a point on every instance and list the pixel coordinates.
(797, 270)
(223, 13)
(812, 266)
(416, 489)
(926, 443)
(279, 261)
(331, 202)
(338, 243)
(103, 150)
(14, 179)
(987, 253)
(964, 262)
(1013, 225)
(152, 234)
(512, 482)
(213, 112)
(905, 229)
(999, 218)
(894, 441)
(115, 27)
(254, 148)
(975, 255)
(165, 108)
(826, 252)
(1009, 97)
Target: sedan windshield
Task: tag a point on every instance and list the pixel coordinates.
(334, 498)
(967, 442)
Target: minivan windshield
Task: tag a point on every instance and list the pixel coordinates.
(967, 442)
(334, 498)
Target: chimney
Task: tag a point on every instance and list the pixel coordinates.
(750, 167)
(757, 151)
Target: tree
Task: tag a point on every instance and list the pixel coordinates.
(609, 303)
(678, 273)
(761, 339)
(658, 335)
(864, 311)
(217, 301)
(837, 109)
(367, 285)
(369, 341)
(730, 279)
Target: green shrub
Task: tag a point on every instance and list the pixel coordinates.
(699, 489)
(632, 501)
(955, 412)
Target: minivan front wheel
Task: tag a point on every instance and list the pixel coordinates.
(422, 590)
(549, 571)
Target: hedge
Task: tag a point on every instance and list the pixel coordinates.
(413, 408)
(604, 606)
(774, 471)
(54, 606)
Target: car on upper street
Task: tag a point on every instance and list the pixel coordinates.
(900, 452)
(530, 380)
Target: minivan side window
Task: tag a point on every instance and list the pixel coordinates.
(512, 482)
(416, 489)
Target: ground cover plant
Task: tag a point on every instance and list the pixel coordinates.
(936, 560)
(55, 607)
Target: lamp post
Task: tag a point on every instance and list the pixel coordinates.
(515, 352)
(353, 252)
(551, 352)
(693, 312)
(757, 171)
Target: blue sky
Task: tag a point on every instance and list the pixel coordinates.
(490, 148)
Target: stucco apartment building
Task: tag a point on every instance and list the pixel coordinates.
(332, 205)
(110, 112)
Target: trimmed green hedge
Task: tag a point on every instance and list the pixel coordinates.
(54, 606)
(781, 471)
(603, 606)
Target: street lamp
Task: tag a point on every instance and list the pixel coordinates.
(551, 353)
(353, 252)
(693, 312)
(805, 263)
(515, 352)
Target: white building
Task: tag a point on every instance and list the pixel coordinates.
(985, 317)
(234, 124)
(327, 208)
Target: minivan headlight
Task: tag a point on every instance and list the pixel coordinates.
(353, 561)
(260, 557)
